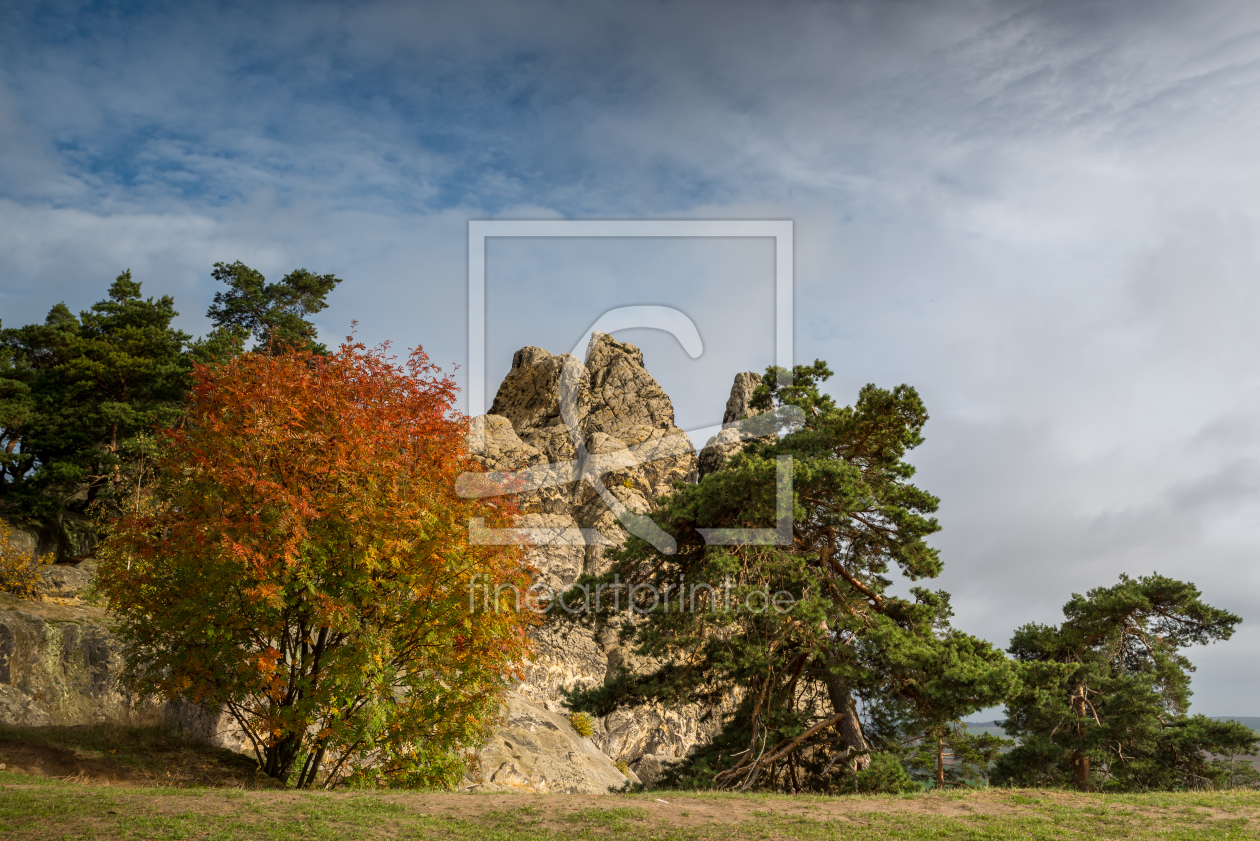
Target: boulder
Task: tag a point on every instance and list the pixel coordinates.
(537, 750)
(719, 450)
(529, 398)
(742, 389)
(630, 734)
(619, 413)
(60, 665)
(69, 581)
(24, 539)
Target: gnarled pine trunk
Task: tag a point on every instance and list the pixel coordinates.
(850, 725)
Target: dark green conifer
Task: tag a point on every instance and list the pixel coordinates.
(78, 392)
(1106, 694)
(274, 314)
(798, 675)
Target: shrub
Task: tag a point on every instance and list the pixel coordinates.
(885, 775)
(1233, 773)
(306, 567)
(20, 571)
(583, 724)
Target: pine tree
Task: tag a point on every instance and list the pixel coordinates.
(82, 396)
(79, 392)
(273, 314)
(1106, 694)
(799, 634)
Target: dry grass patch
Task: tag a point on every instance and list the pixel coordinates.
(50, 809)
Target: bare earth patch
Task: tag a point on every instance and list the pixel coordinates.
(44, 761)
(694, 811)
(113, 755)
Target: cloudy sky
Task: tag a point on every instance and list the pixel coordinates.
(1045, 216)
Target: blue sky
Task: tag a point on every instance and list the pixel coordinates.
(1044, 216)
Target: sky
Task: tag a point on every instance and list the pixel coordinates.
(1044, 216)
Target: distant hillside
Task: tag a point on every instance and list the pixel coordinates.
(1251, 721)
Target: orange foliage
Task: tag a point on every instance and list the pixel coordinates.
(306, 566)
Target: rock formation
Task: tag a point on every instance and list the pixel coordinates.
(537, 749)
(58, 665)
(624, 422)
(719, 449)
(563, 426)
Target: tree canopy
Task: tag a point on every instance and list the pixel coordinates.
(796, 675)
(285, 543)
(76, 392)
(81, 396)
(273, 314)
(1106, 694)
(303, 563)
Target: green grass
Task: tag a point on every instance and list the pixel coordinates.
(33, 808)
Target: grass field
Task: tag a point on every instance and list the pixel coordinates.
(46, 809)
(111, 782)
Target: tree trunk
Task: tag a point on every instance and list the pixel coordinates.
(940, 762)
(1081, 762)
(850, 725)
(280, 757)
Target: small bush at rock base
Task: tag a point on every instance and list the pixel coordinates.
(583, 724)
(20, 571)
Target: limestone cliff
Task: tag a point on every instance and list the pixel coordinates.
(624, 422)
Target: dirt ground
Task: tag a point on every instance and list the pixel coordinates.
(557, 812)
(685, 811)
(701, 811)
(553, 810)
(43, 761)
(137, 765)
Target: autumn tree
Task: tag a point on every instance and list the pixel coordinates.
(1106, 694)
(304, 565)
(21, 568)
(798, 635)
